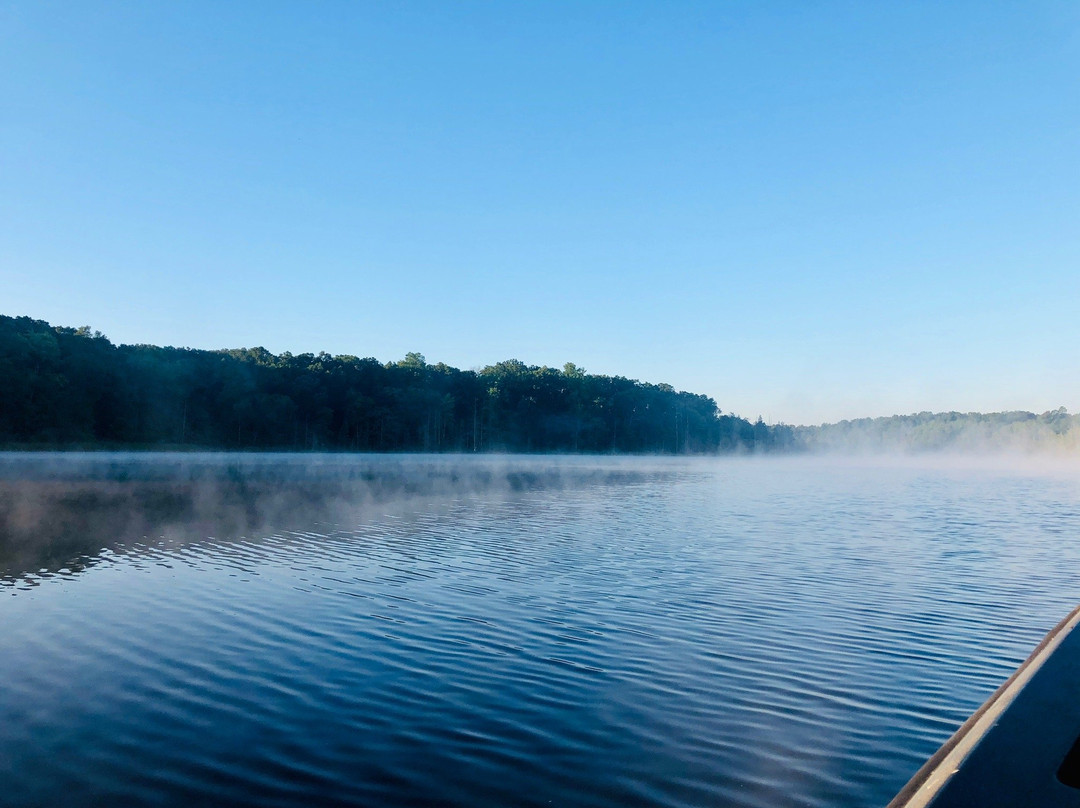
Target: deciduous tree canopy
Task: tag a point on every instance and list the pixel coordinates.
(73, 387)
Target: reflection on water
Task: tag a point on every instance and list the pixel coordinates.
(298, 631)
(60, 509)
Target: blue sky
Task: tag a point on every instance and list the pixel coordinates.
(809, 211)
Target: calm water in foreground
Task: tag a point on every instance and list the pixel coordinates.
(585, 632)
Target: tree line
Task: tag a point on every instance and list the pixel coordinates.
(1054, 430)
(72, 387)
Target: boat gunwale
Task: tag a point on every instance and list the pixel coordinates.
(932, 776)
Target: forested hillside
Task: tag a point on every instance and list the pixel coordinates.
(68, 387)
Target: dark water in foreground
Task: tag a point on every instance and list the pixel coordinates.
(510, 632)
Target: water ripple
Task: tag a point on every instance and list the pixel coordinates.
(735, 632)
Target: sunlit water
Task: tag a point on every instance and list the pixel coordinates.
(728, 632)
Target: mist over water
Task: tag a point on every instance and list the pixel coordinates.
(63, 507)
(297, 630)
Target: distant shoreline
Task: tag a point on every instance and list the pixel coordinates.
(71, 389)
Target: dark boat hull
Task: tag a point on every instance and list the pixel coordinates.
(1022, 747)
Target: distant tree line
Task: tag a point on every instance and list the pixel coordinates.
(72, 387)
(946, 431)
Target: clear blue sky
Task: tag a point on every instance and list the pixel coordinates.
(807, 210)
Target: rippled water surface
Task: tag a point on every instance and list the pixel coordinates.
(177, 630)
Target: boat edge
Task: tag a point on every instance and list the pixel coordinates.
(932, 776)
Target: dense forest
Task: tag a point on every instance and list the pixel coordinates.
(72, 387)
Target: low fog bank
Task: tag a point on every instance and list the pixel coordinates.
(1001, 433)
(61, 509)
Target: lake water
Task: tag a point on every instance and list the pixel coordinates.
(295, 631)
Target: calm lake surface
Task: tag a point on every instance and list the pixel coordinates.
(306, 630)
